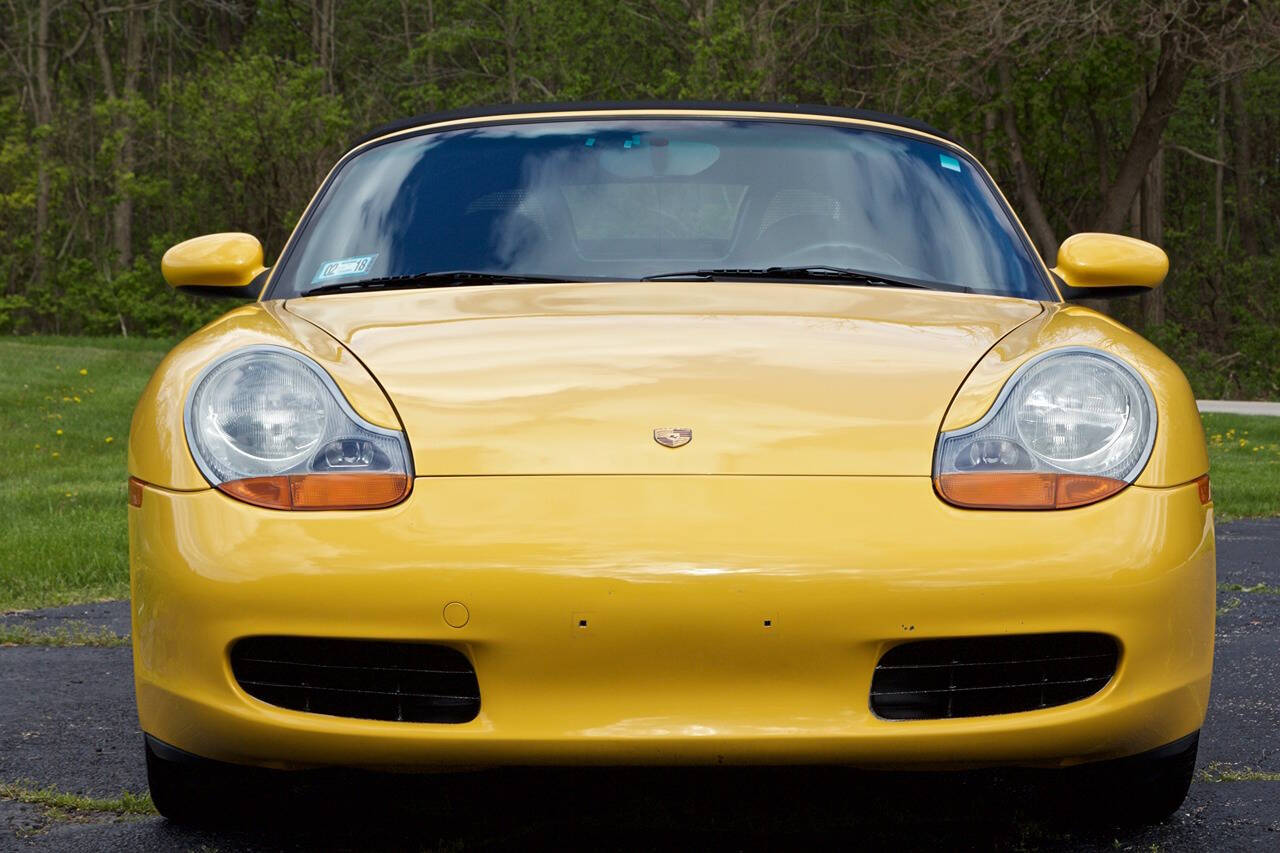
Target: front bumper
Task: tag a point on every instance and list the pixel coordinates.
(675, 577)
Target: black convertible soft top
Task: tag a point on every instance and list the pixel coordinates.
(710, 106)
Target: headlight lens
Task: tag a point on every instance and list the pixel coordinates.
(260, 414)
(269, 426)
(1070, 427)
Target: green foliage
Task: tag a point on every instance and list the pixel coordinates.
(1235, 302)
(252, 139)
(231, 114)
(17, 199)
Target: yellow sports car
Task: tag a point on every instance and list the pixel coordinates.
(668, 434)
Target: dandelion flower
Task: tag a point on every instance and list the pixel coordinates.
(76, 399)
(56, 454)
(84, 371)
(57, 432)
(109, 439)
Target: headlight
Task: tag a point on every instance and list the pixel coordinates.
(1070, 427)
(268, 425)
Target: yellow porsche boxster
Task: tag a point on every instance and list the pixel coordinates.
(668, 434)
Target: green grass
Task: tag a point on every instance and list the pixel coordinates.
(65, 405)
(59, 804)
(1218, 771)
(63, 539)
(1260, 588)
(1244, 464)
(73, 633)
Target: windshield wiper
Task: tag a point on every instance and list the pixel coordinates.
(447, 278)
(810, 273)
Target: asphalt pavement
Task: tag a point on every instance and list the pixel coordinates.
(67, 722)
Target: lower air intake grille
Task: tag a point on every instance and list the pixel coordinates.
(977, 676)
(369, 679)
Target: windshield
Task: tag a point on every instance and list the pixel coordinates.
(622, 200)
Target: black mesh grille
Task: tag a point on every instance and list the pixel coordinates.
(369, 679)
(977, 676)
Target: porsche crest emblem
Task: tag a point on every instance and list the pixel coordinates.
(673, 436)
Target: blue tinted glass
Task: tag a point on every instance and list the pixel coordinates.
(627, 199)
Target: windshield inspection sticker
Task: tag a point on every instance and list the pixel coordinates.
(949, 162)
(344, 267)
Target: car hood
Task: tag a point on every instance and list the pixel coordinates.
(575, 378)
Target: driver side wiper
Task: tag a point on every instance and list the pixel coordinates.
(447, 278)
(810, 273)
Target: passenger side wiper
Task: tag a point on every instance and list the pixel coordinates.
(811, 273)
(447, 278)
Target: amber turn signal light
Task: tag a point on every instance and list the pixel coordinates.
(1206, 491)
(135, 491)
(1025, 490)
(320, 491)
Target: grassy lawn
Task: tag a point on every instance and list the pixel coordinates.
(65, 405)
(1244, 464)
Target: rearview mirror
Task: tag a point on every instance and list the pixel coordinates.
(1100, 266)
(226, 265)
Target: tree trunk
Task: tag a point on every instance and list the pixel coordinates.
(122, 216)
(1041, 231)
(1219, 210)
(331, 38)
(1216, 301)
(764, 59)
(509, 40)
(990, 120)
(322, 27)
(323, 15)
(100, 51)
(431, 51)
(44, 116)
(1153, 232)
(1243, 167)
(1137, 104)
(168, 121)
(1173, 68)
(1100, 145)
(1151, 214)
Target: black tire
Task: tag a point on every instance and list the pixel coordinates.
(186, 789)
(1141, 790)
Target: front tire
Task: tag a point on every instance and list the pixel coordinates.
(1144, 789)
(185, 789)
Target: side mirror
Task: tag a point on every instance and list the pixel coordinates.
(1102, 266)
(220, 265)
